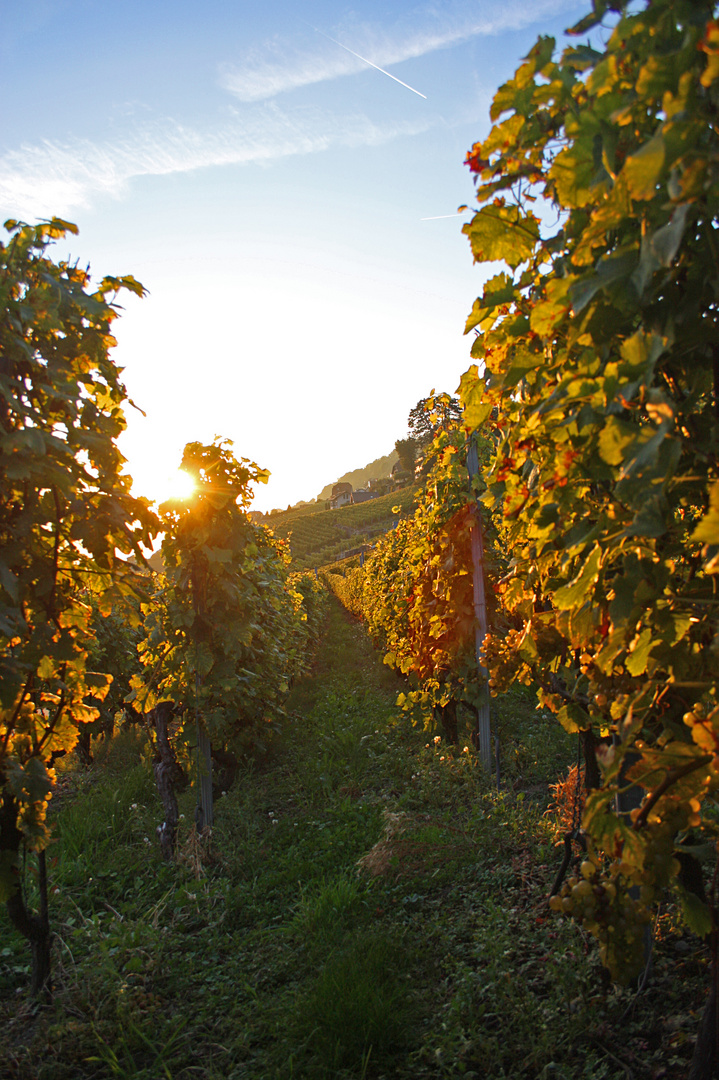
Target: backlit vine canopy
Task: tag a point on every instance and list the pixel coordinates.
(68, 523)
(597, 344)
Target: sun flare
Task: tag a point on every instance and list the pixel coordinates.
(179, 485)
(159, 481)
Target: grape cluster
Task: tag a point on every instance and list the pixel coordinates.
(659, 865)
(602, 903)
(704, 728)
(20, 723)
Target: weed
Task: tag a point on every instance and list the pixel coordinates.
(361, 1006)
(135, 1056)
(328, 908)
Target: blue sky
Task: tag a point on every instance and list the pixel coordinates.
(272, 192)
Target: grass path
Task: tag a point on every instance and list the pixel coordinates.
(436, 958)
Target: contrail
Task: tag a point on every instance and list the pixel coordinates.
(438, 217)
(366, 61)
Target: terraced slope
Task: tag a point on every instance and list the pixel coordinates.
(328, 535)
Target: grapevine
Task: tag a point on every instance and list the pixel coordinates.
(597, 376)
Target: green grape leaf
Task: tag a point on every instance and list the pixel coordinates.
(696, 913)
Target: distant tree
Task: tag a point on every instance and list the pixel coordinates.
(407, 453)
(432, 415)
(382, 486)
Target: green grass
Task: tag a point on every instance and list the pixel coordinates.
(361, 1008)
(436, 958)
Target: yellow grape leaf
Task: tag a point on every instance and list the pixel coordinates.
(577, 590)
(707, 531)
(547, 313)
(502, 232)
(572, 718)
(614, 437)
(643, 169)
(636, 662)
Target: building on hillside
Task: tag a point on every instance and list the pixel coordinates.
(341, 496)
(363, 496)
(399, 476)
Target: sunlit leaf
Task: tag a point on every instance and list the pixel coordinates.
(575, 592)
(502, 233)
(643, 169)
(707, 531)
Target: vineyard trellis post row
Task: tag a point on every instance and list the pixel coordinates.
(480, 614)
(204, 815)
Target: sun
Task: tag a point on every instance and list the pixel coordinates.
(159, 481)
(179, 485)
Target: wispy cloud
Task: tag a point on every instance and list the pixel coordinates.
(54, 178)
(284, 64)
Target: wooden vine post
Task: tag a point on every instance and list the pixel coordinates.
(480, 615)
(204, 815)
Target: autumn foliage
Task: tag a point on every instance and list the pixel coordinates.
(70, 531)
(598, 376)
